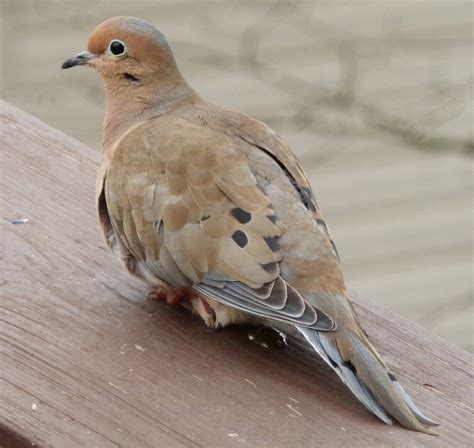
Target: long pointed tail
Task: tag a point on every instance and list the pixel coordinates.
(362, 370)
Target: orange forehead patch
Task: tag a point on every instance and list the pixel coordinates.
(139, 36)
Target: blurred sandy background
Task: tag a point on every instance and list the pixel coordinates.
(374, 96)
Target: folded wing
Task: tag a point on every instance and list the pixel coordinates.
(183, 202)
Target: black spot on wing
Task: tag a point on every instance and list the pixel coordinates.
(270, 268)
(241, 215)
(240, 238)
(392, 376)
(272, 218)
(272, 243)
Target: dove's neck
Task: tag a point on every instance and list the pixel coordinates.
(128, 104)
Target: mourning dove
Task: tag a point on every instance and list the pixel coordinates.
(211, 204)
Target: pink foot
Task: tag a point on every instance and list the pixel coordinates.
(172, 297)
(175, 296)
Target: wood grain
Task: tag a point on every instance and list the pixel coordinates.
(86, 360)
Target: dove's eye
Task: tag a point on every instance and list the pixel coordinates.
(117, 48)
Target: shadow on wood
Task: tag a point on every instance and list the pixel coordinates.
(86, 360)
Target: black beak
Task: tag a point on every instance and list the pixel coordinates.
(82, 58)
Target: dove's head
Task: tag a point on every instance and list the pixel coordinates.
(127, 51)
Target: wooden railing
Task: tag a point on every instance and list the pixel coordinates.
(87, 360)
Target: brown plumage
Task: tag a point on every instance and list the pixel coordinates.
(196, 198)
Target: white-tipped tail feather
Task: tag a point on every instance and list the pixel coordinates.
(368, 378)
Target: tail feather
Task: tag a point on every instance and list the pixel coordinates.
(334, 359)
(413, 407)
(359, 367)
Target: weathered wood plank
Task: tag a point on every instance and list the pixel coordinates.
(85, 360)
